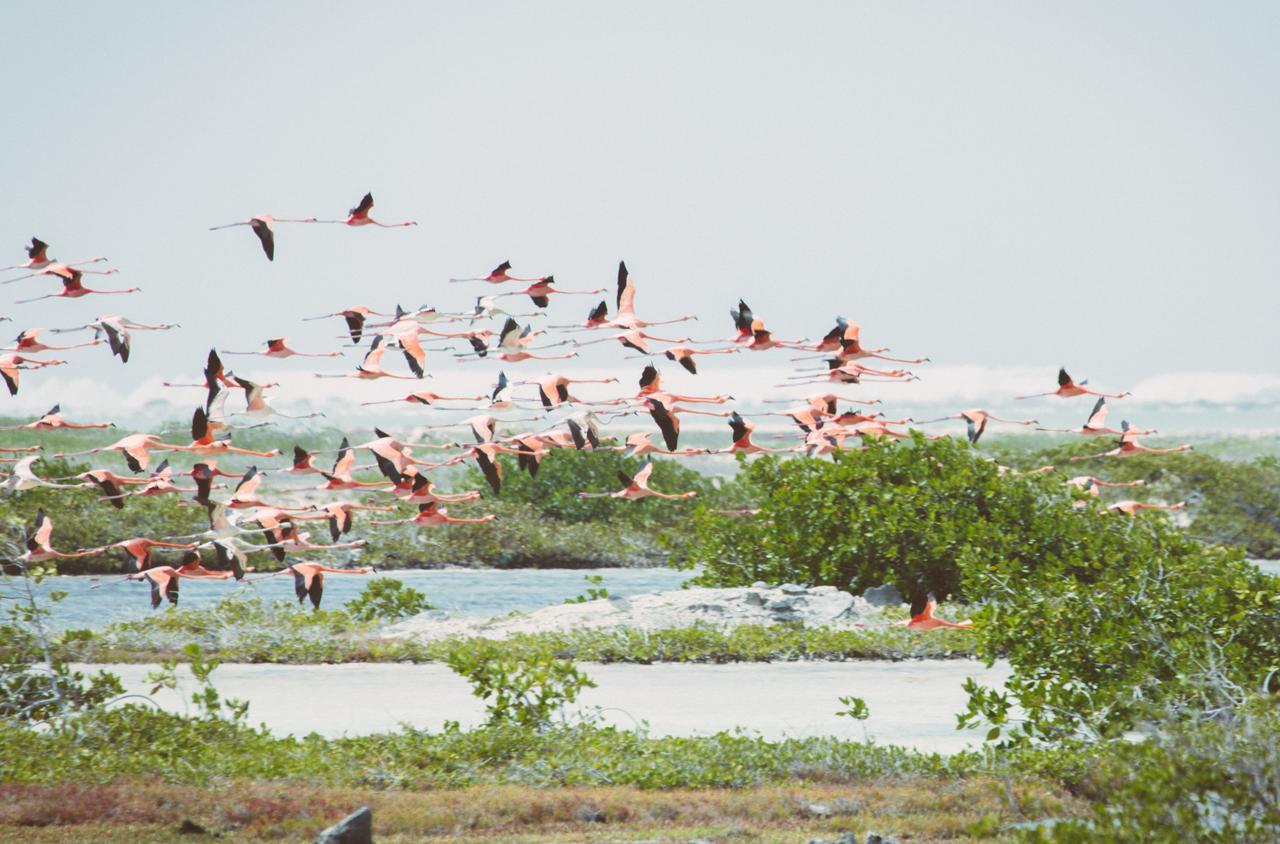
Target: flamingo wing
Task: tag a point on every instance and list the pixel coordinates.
(264, 233)
(363, 209)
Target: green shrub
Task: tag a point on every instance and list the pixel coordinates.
(386, 599)
(903, 514)
(525, 689)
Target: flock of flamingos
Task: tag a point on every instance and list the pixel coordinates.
(824, 421)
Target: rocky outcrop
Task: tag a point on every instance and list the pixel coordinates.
(355, 828)
(760, 603)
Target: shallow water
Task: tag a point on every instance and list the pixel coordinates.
(912, 703)
(461, 591)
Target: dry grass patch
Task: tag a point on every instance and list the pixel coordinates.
(924, 809)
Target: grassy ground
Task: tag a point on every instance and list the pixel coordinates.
(145, 811)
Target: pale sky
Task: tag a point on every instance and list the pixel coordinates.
(995, 185)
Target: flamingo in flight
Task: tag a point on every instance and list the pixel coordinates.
(23, 477)
(742, 444)
(651, 385)
(12, 364)
(541, 291)
(308, 579)
(427, 398)
(38, 258)
(926, 619)
(355, 317)
(29, 341)
(432, 514)
(370, 368)
(976, 420)
(164, 579)
(487, 306)
(1092, 486)
(359, 216)
(553, 390)
(635, 487)
(1128, 446)
(499, 275)
(683, 355)
(596, 317)
(1133, 508)
(72, 288)
(340, 477)
(63, 270)
(256, 406)
(278, 348)
(634, 339)
(1067, 388)
(1096, 424)
(341, 515)
(109, 483)
(261, 225)
(38, 545)
(514, 344)
(135, 448)
(639, 445)
(52, 419)
(625, 315)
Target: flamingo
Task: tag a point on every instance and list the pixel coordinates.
(161, 483)
(278, 348)
(73, 289)
(308, 579)
(1067, 388)
(40, 550)
(359, 216)
(1129, 446)
(541, 291)
(639, 445)
(926, 620)
(12, 364)
(976, 420)
(138, 550)
(340, 477)
(164, 580)
(341, 515)
(651, 386)
(355, 317)
(553, 390)
(110, 484)
(742, 444)
(487, 306)
(29, 341)
(1132, 508)
(256, 406)
(432, 514)
(1096, 424)
(427, 398)
(295, 541)
(38, 258)
(205, 444)
(371, 367)
(683, 355)
(625, 316)
(421, 490)
(261, 225)
(246, 492)
(135, 448)
(62, 271)
(596, 317)
(849, 373)
(1091, 485)
(637, 486)
(52, 419)
(500, 275)
(23, 477)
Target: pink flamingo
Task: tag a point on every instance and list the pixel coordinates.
(278, 348)
(541, 291)
(500, 275)
(261, 225)
(742, 444)
(12, 364)
(359, 216)
(40, 550)
(52, 419)
(73, 289)
(355, 317)
(29, 341)
(1132, 508)
(1129, 446)
(927, 620)
(976, 420)
(433, 515)
(1067, 388)
(636, 487)
(1096, 424)
(371, 367)
(625, 317)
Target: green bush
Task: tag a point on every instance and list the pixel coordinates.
(526, 689)
(386, 599)
(903, 514)
(1232, 502)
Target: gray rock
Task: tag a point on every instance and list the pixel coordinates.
(781, 605)
(874, 838)
(793, 589)
(753, 598)
(355, 828)
(759, 584)
(818, 810)
(883, 596)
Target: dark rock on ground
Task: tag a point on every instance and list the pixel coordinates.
(355, 828)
